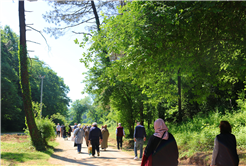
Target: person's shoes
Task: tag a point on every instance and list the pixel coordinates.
(93, 155)
(135, 158)
(98, 153)
(104, 149)
(140, 159)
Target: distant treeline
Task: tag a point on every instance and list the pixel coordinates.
(55, 98)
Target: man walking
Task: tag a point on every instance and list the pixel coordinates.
(58, 129)
(94, 135)
(139, 138)
(119, 134)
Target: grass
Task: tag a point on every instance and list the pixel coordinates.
(17, 150)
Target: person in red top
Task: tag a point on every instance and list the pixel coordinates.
(119, 134)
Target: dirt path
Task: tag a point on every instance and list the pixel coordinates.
(66, 154)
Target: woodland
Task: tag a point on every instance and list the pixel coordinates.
(184, 62)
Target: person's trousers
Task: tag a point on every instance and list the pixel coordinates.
(95, 146)
(79, 147)
(139, 143)
(58, 133)
(119, 142)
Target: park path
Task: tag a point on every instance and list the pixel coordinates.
(66, 154)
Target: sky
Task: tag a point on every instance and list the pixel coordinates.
(63, 58)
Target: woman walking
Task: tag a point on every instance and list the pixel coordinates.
(225, 147)
(105, 135)
(161, 148)
(79, 133)
(87, 131)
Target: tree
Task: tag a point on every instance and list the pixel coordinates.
(54, 89)
(164, 41)
(25, 86)
(11, 104)
(79, 107)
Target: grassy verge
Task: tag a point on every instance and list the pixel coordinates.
(17, 150)
(195, 137)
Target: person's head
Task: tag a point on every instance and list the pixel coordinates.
(160, 125)
(79, 125)
(138, 123)
(225, 127)
(160, 129)
(94, 124)
(105, 126)
(58, 124)
(119, 124)
(75, 123)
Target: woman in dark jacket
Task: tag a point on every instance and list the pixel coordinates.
(161, 148)
(225, 147)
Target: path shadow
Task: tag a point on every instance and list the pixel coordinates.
(70, 160)
(58, 150)
(109, 150)
(106, 158)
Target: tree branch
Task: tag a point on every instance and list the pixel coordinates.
(41, 34)
(82, 33)
(75, 24)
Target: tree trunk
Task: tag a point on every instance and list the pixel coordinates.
(98, 27)
(141, 113)
(179, 93)
(25, 86)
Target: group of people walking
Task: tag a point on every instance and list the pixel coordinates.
(161, 148)
(93, 136)
(62, 132)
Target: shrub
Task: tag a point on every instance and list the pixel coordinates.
(46, 128)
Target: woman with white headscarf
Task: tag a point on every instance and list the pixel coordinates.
(161, 148)
(79, 133)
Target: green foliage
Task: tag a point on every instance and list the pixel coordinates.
(11, 103)
(46, 127)
(79, 107)
(198, 134)
(152, 41)
(54, 90)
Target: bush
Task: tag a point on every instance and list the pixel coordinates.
(46, 127)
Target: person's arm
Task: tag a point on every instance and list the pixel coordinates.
(215, 151)
(144, 134)
(100, 135)
(134, 135)
(123, 132)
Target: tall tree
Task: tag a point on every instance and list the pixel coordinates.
(25, 86)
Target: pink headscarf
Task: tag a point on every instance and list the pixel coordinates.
(160, 128)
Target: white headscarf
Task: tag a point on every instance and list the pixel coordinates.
(79, 125)
(160, 128)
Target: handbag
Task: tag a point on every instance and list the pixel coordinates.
(147, 161)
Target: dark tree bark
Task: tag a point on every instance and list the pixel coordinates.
(25, 86)
(179, 93)
(141, 113)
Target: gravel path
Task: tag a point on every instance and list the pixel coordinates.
(66, 154)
